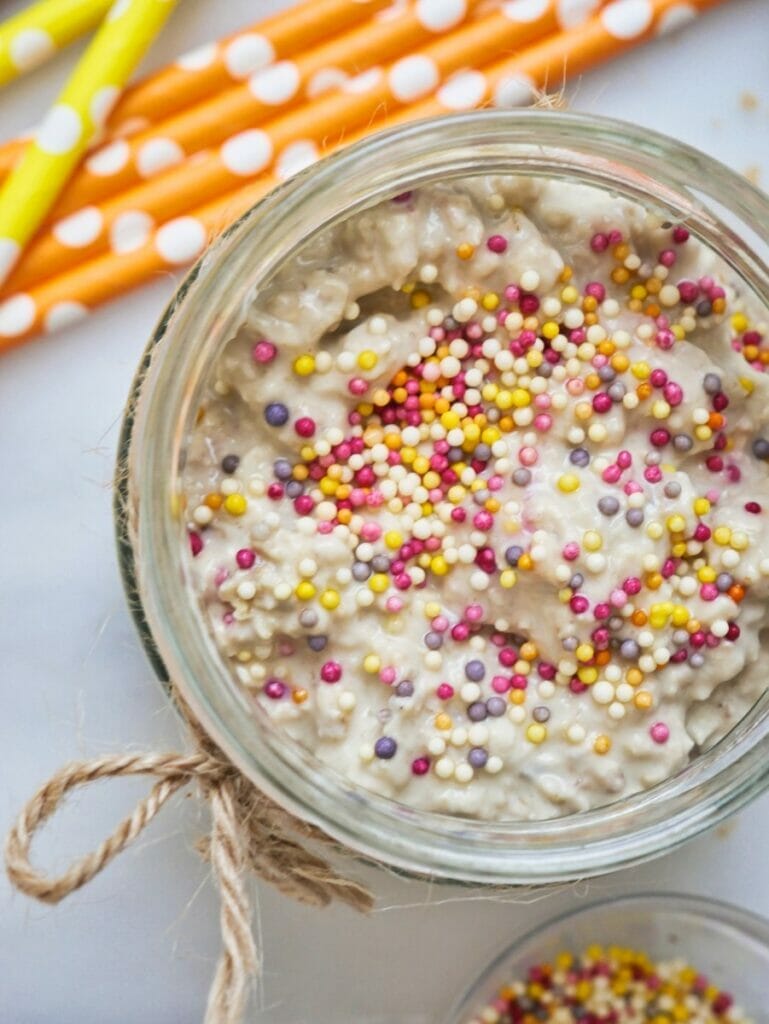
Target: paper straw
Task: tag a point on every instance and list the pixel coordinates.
(90, 229)
(405, 81)
(73, 295)
(34, 35)
(216, 66)
(82, 108)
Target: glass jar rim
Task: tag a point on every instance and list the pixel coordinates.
(589, 148)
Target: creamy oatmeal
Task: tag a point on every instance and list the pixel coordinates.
(478, 498)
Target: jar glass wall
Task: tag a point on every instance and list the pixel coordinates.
(718, 207)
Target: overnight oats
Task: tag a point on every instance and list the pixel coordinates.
(477, 498)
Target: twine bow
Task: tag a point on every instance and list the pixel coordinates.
(248, 830)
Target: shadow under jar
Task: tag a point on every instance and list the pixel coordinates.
(293, 230)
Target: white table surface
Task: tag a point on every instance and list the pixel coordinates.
(140, 943)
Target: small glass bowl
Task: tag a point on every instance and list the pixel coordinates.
(727, 944)
(718, 207)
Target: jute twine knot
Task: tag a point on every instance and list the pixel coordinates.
(248, 831)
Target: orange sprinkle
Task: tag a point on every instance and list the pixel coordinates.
(736, 592)
(715, 421)
(602, 658)
(213, 501)
(639, 617)
(517, 696)
(643, 700)
(344, 515)
(299, 696)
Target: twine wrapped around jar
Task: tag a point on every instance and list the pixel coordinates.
(249, 832)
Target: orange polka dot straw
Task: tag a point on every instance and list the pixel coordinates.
(145, 247)
(209, 69)
(82, 108)
(293, 137)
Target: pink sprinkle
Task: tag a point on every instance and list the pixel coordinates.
(575, 386)
(500, 684)
(496, 243)
(618, 598)
(495, 482)
(387, 675)
(596, 290)
(667, 257)
(528, 456)
(420, 766)
(602, 611)
(444, 691)
(543, 422)
(571, 551)
(577, 686)
(701, 532)
(371, 531)
(325, 527)
(708, 591)
(331, 672)
(519, 682)
(658, 378)
(508, 657)
(599, 242)
(274, 689)
(659, 732)
(512, 293)
(680, 235)
(611, 474)
(393, 605)
(263, 351)
(482, 520)
(196, 543)
(653, 474)
(579, 604)
(542, 401)
(275, 491)
(228, 618)
(245, 558)
(460, 632)
(615, 236)
(688, 291)
(632, 585)
(474, 612)
(357, 386)
(220, 576)
(440, 623)
(750, 506)
(624, 459)
(673, 393)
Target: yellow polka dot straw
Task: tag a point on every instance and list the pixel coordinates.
(34, 35)
(80, 111)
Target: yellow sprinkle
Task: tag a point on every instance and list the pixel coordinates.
(680, 615)
(490, 301)
(379, 582)
(602, 744)
(367, 359)
(393, 539)
(438, 565)
(372, 663)
(676, 524)
(443, 722)
(592, 540)
(521, 398)
(568, 483)
(432, 608)
(420, 299)
(550, 330)
(587, 675)
(305, 591)
(654, 531)
(235, 504)
(504, 400)
(536, 733)
(584, 652)
(740, 322)
(507, 578)
(304, 365)
(703, 433)
(328, 486)
(528, 650)
(701, 506)
(747, 385)
(489, 435)
(722, 535)
(307, 452)
(740, 541)
(465, 250)
(707, 574)
(330, 599)
(641, 371)
(569, 294)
